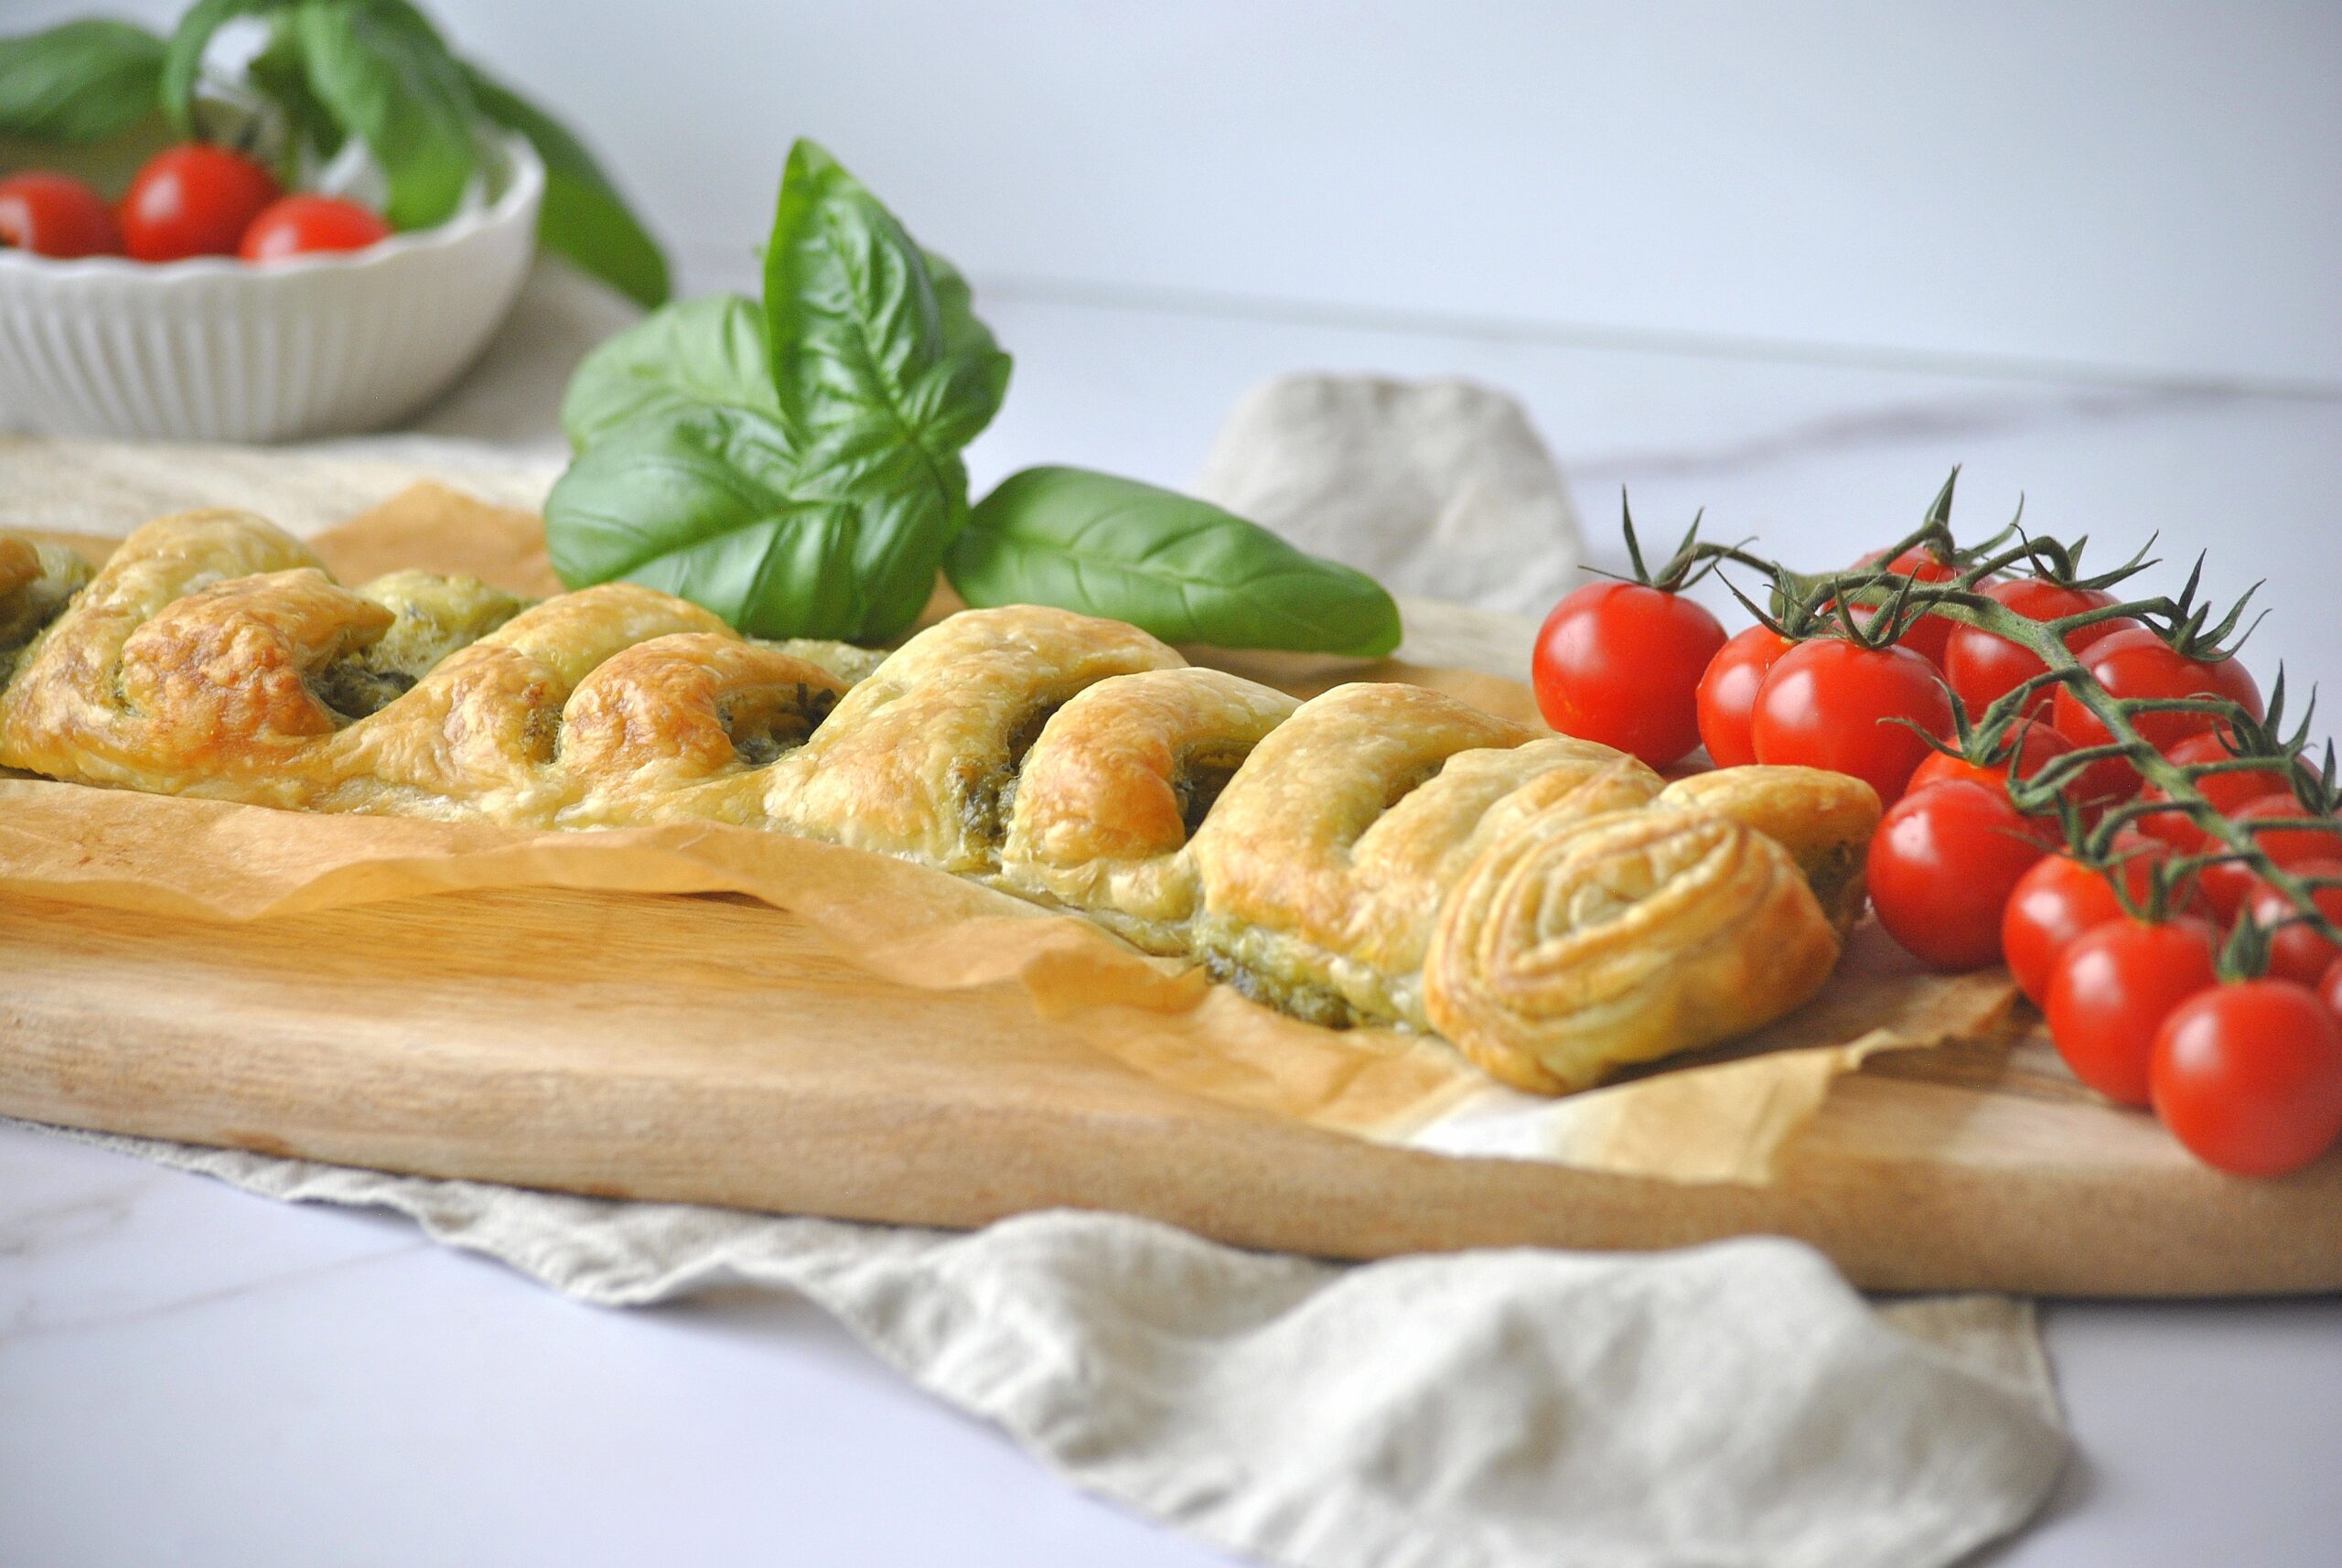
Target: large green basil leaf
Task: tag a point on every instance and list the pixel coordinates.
(692, 355)
(723, 507)
(282, 76)
(381, 69)
(794, 467)
(1181, 568)
(183, 57)
(79, 83)
(873, 342)
(583, 217)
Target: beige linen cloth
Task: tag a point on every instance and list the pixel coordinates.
(1729, 1406)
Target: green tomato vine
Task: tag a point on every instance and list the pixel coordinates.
(1808, 605)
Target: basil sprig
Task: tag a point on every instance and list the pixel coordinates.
(794, 466)
(79, 83)
(793, 463)
(688, 355)
(1182, 568)
(331, 69)
(381, 74)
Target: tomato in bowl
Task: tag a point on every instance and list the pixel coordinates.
(213, 348)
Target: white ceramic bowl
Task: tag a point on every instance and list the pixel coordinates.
(212, 348)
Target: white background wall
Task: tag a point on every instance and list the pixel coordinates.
(2147, 187)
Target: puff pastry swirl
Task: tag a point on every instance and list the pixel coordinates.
(1380, 854)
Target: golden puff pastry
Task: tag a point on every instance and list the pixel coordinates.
(1380, 854)
(1329, 852)
(1824, 820)
(1119, 781)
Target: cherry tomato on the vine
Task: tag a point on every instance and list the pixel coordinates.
(2036, 745)
(54, 215)
(2060, 899)
(2249, 1077)
(2329, 988)
(194, 199)
(1727, 701)
(2319, 838)
(2227, 884)
(2297, 952)
(1620, 664)
(1836, 704)
(2137, 663)
(2227, 792)
(2111, 990)
(1983, 666)
(303, 225)
(1940, 869)
(1926, 636)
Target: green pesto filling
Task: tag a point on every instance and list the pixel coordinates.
(432, 617)
(28, 611)
(1310, 1003)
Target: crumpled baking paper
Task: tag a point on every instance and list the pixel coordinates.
(1724, 1116)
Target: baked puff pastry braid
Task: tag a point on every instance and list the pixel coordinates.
(1382, 853)
(1328, 856)
(1119, 781)
(1580, 944)
(1824, 820)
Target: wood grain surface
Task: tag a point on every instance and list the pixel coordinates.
(711, 1049)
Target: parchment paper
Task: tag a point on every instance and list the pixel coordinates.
(1724, 1115)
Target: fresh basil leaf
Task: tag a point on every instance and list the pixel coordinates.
(281, 74)
(1181, 568)
(384, 73)
(701, 353)
(583, 217)
(79, 83)
(953, 405)
(795, 469)
(183, 56)
(723, 507)
(867, 340)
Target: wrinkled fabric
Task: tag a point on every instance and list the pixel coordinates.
(1730, 1406)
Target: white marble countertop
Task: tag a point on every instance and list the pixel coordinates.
(189, 1374)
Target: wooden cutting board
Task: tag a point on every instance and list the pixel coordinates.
(711, 1049)
(715, 1049)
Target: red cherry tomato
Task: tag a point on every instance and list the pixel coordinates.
(1620, 664)
(2296, 952)
(2291, 846)
(2227, 883)
(2059, 900)
(2111, 991)
(2227, 792)
(2329, 988)
(1940, 869)
(301, 225)
(2036, 743)
(2249, 1077)
(193, 200)
(52, 215)
(1727, 701)
(1835, 704)
(2138, 663)
(1984, 666)
(1926, 636)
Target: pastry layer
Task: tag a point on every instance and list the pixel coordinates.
(1382, 853)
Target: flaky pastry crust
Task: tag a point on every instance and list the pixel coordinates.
(1380, 854)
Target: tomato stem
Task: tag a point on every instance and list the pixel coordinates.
(1804, 602)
